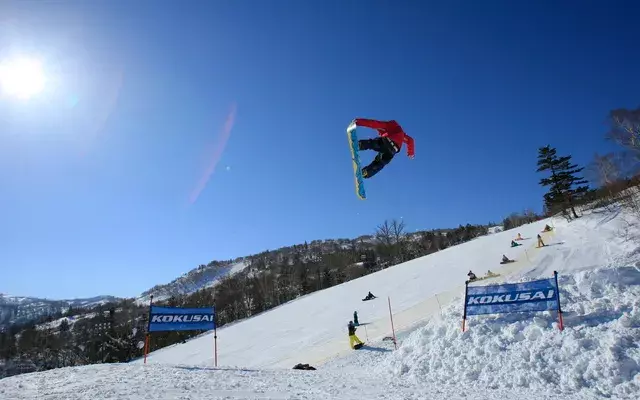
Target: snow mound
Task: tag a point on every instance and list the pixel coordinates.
(597, 353)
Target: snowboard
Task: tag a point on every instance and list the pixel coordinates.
(358, 346)
(355, 157)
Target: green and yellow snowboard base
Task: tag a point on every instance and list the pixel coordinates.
(355, 157)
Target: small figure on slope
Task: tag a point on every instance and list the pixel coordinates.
(519, 237)
(505, 260)
(540, 242)
(354, 341)
(369, 296)
(547, 228)
(514, 244)
(355, 318)
(472, 276)
(387, 145)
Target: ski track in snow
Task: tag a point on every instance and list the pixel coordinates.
(507, 355)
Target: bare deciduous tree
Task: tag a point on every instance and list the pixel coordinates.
(625, 129)
(604, 171)
(384, 234)
(390, 233)
(397, 231)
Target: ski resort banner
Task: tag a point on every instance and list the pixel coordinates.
(163, 319)
(178, 319)
(538, 295)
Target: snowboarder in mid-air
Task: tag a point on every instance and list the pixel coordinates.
(387, 145)
(354, 341)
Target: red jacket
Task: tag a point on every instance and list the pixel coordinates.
(390, 129)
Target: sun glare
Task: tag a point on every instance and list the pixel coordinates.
(21, 77)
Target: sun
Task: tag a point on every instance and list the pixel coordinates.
(21, 77)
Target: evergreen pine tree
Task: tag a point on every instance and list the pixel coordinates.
(565, 186)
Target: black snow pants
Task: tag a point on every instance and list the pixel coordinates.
(386, 150)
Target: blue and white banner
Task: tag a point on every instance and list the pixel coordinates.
(540, 295)
(181, 319)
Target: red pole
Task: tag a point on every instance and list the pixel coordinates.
(395, 344)
(146, 347)
(147, 339)
(560, 321)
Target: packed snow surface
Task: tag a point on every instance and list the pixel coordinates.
(164, 382)
(498, 356)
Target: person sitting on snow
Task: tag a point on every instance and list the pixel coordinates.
(540, 242)
(514, 244)
(472, 276)
(353, 339)
(519, 237)
(369, 297)
(505, 259)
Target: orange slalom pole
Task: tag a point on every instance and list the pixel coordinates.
(395, 344)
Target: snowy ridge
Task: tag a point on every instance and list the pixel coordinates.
(55, 324)
(15, 309)
(199, 278)
(87, 302)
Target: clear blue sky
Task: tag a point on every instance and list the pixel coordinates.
(96, 174)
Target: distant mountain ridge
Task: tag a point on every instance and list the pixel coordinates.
(19, 309)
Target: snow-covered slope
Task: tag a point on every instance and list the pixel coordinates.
(163, 382)
(499, 356)
(317, 323)
(192, 281)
